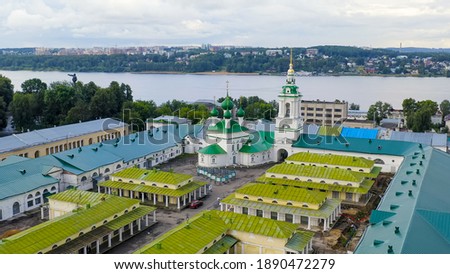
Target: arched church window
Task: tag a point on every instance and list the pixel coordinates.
(288, 110)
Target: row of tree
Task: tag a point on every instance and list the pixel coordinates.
(38, 105)
(417, 113)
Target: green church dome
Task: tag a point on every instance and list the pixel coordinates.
(227, 104)
(227, 114)
(240, 112)
(214, 112)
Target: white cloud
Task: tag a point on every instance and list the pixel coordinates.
(87, 23)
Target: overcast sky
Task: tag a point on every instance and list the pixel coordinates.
(268, 23)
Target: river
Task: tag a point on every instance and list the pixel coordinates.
(190, 87)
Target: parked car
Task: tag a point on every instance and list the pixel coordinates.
(196, 204)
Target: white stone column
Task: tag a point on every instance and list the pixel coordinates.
(154, 199)
(109, 190)
(120, 234)
(139, 223)
(178, 202)
(42, 213)
(154, 216)
(324, 224)
(98, 246)
(109, 239)
(98, 189)
(309, 222)
(195, 195)
(167, 201)
(131, 228)
(199, 192)
(190, 197)
(221, 206)
(120, 192)
(131, 194)
(85, 250)
(206, 189)
(260, 249)
(146, 220)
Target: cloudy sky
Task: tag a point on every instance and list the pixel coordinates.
(269, 23)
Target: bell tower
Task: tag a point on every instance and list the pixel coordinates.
(289, 121)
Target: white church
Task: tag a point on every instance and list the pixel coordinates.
(231, 143)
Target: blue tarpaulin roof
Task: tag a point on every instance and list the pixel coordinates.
(363, 133)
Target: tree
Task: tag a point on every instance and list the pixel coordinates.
(58, 100)
(6, 90)
(444, 106)
(34, 85)
(378, 111)
(103, 104)
(354, 106)
(22, 111)
(3, 117)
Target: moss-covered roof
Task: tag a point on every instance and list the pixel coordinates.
(155, 175)
(79, 197)
(45, 235)
(185, 189)
(210, 225)
(276, 192)
(317, 172)
(222, 246)
(331, 159)
(299, 240)
(329, 131)
(324, 211)
(363, 188)
(212, 149)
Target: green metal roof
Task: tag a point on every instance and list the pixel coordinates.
(331, 159)
(317, 172)
(357, 145)
(87, 158)
(363, 188)
(212, 149)
(221, 128)
(417, 199)
(222, 246)
(79, 197)
(259, 141)
(300, 240)
(209, 225)
(19, 176)
(45, 235)
(154, 175)
(12, 160)
(283, 193)
(323, 212)
(188, 188)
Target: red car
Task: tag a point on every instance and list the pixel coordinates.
(196, 204)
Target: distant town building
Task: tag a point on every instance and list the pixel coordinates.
(311, 52)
